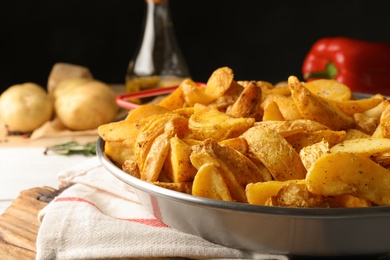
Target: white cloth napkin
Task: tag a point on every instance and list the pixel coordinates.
(100, 217)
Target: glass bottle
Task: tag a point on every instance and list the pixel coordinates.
(158, 61)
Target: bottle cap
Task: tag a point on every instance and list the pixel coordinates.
(156, 1)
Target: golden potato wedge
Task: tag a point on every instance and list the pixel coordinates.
(157, 154)
(278, 156)
(310, 154)
(280, 88)
(351, 107)
(366, 124)
(237, 143)
(302, 139)
(118, 131)
(286, 105)
(293, 194)
(227, 99)
(144, 111)
(131, 125)
(248, 104)
(219, 82)
(385, 122)
(158, 150)
(177, 166)
(209, 122)
(264, 172)
(290, 127)
(191, 141)
(156, 126)
(272, 112)
(210, 183)
(349, 201)
(119, 152)
(376, 112)
(194, 94)
(174, 100)
(368, 147)
(130, 166)
(378, 132)
(349, 174)
(318, 109)
(237, 170)
(383, 159)
(258, 193)
(185, 111)
(329, 89)
(355, 134)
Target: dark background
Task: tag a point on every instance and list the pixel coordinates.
(259, 40)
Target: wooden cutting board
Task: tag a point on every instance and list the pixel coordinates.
(19, 223)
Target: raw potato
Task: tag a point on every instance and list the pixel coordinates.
(62, 71)
(25, 107)
(84, 104)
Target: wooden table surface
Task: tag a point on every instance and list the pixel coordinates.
(19, 223)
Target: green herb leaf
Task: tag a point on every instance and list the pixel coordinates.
(70, 148)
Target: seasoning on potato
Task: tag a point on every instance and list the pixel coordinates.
(292, 144)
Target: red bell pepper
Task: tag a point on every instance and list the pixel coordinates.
(362, 66)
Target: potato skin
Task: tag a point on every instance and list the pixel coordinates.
(25, 107)
(85, 105)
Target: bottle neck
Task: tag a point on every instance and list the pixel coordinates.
(159, 52)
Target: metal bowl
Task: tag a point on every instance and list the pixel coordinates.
(273, 230)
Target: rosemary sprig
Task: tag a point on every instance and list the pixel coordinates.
(71, 148)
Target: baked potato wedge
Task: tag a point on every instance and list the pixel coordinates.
(278, 156)
(209, 122)
(315, 108)
(236, 169)
(362, 177)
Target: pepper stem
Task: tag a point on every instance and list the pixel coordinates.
(329, 72)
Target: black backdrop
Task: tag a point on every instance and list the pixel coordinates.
(259, 40)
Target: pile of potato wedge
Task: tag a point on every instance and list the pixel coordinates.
(290, 144)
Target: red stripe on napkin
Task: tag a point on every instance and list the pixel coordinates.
(146, 221)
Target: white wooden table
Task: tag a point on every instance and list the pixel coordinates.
(23, 165)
